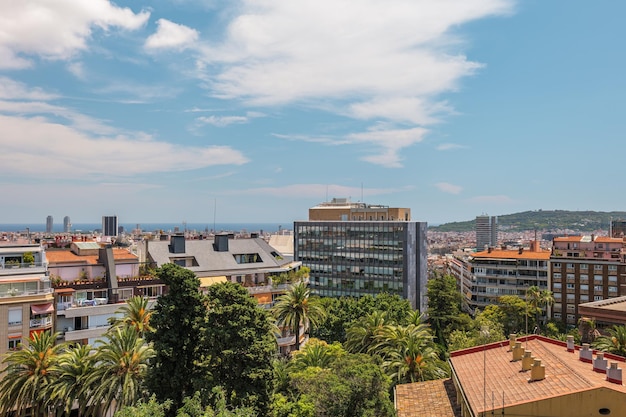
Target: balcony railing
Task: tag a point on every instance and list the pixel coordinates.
(18, 293)
(41, 322)
(10, 266)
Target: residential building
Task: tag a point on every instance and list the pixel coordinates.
(355, 250)
(484, 276)
(26, 297)
(67, 224)
(486, 232)
(109, 226)
(91, 282)
(618, 228)
(605, 313)
(583, 269)
(49, 224)
(528, 376)
(251, 262)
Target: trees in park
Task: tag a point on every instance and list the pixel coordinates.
(297, 308)
(180, 367)
(241, 346)
(444, 306)
(614, 342)
(137, 314)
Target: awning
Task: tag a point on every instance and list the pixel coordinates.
(206, 281)
(63, 290)
(42, 308)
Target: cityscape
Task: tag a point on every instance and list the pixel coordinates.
(324, 208)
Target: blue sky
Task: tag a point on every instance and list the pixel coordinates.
(254, 111)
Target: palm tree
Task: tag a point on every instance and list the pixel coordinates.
(317, 354)
(122, 362)
(298, 307)
(74, 366)
(363, 334)
(614, 342)
(29, 374)
(135, 314)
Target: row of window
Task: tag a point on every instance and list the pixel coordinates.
(596, 267)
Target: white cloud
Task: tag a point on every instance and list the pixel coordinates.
(77, 69)
(446, 187)
(10, 89)
(171, 35)
(35, 147)
(57, 29)
(369, 60)
(449, 146)
(222, 121)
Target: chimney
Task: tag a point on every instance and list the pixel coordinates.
(512, 339)
(614, 374)
(221, 243)
(570, 343)
(489, 249)
(537, 371)
(520, 251)
(527, 360)
(254, 235)
(177, 244)
(599, 363)
(585, 354)
(518, 351)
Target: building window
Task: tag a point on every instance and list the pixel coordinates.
(584, 266)
(597, 267)
(571, 286)
(612, 278)
(15, 316)
(597, 288)
(557, 316)
(584, 278)
(584, 287)
(154, 291)
(571, 276)
(598, 278)
(557, 264)
(597, 298)
(570, 266)
(247, 258)
(584, 297)
(14, 343)
(557, 285)
(612, 267)
(125, 293)
(612, 289)
(556, 275)
(571, 297)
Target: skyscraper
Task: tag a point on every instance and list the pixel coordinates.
(109, 225)
(67, 225)
(378, 250)
(486, 232)
(49, 224)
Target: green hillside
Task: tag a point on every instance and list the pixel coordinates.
(584, 221)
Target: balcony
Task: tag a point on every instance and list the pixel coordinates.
(41, 322)
(7, 268)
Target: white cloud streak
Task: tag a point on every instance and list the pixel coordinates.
(57, 29)
(446, 187)
(170, 35)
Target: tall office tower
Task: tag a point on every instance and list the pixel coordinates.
(618, 228)
(49, 224)
(109, 225)
(486, 232)
(362, 256)
(67, 225)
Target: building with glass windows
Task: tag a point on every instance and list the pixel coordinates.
(355, 258)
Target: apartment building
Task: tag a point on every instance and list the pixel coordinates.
(584, 269)
(484, 276)
(91, 282)
(362, 249)
(528, 376)
(251, 262)
(26, 296)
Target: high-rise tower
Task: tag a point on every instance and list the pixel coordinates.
(486, 232)
(109, 225)
(67, 225)
(49, 224)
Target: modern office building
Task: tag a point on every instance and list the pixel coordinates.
(109, 226)
(357, 257)
(584, 269)
(67, 224)
(26, 297)
(484, 276)
(49, 224)
(528, 376)
(486, 232)
(618, 228)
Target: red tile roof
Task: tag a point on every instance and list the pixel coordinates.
(489, 369)
(67, 256)
(430, 398)
(513, 254)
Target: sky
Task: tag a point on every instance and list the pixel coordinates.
(256, 110)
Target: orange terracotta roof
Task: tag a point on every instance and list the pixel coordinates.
(489, 368)
(67, 256)
(513, 254)
(606, 239)
(568, 239)
(430, 398)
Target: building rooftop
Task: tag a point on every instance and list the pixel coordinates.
(430, 398)
(491, 379)
(513, 254)
(67, 256)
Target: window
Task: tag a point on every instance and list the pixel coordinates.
(597, 298)
(247, 258)
(584, 266)
(570, 317)
(14, 343)
(598, 278)
(612, 278)
(612, 267)
(597, 267)
(557, 295)
(557, 265)
(556, 285)
(584, 287)
(584, 297)
(571, 297)
(597, 288)
(15, 316)
(557, 316)
(570, 266)
(584, 278)
(571, 276)
(125, 293)
(612, 289)
(556, 275)
(154, 291)
(571, 286)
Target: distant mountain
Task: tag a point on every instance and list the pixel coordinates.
(583, 221)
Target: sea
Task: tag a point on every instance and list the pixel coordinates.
(152, 227)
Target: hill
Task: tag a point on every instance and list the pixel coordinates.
(581, 221)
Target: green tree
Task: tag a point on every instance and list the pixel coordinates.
(152, 408)
(118, 378)
(180, 367)
(363, 334)
(317, 353)
(298, 308)
(75, 365)
(537, 299)
(26, 385)
(241, 346)
(614, 342)
(135, 313)
(444, 305)
(515, 311)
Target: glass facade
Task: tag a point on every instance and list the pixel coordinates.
(355, 258)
